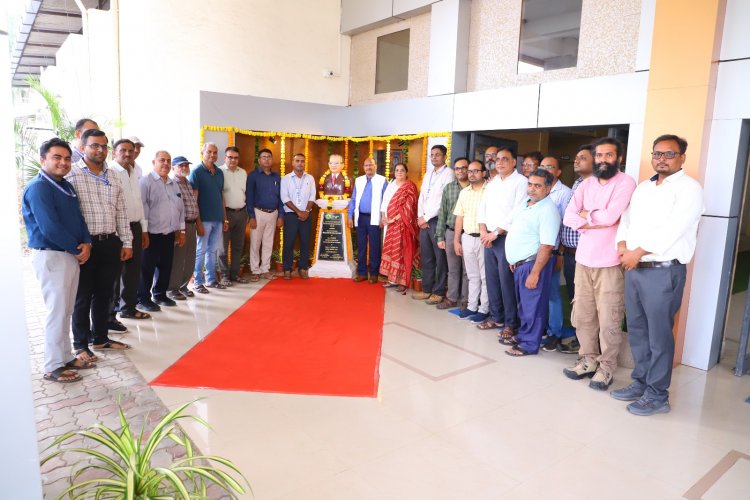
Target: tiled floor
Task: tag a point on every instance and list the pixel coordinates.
(456, 419)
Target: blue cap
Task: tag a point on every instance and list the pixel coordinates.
(180, 159)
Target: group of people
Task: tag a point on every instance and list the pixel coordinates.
(110, 240)
(494, 242)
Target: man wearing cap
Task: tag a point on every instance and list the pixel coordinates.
(263, 206)
(208, 182)
(183, 260)
(137, 145)
(235, 184)
(126, 286)
(165, 213)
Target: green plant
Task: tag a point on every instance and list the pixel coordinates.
(128, 472)
(276, 255)
(296, 255)
(416, 273)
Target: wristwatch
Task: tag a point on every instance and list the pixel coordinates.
(496, 232)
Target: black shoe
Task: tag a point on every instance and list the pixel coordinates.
(165, 301)
(116, 327)
(571, 347)
(551, 344)
(149, 306)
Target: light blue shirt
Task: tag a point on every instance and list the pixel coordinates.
(531, 227)
(298, 190)
(162, 204)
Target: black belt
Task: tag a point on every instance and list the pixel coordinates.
(136, 223)
(191, 221)
(365, 213)
(524, 261)
(241, 209)
(102, 236)
(473, 235)
(567, 250)
(448, 227)
(266, 210)
(653, 265)
(50, 249)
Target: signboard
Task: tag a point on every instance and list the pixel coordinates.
(331, 240)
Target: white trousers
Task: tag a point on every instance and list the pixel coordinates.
(261, 241)
(474, 264)
(57, 273)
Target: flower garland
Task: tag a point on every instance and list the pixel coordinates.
(424, 156)
(355, 170)
(346, 154)
(307, 149)
(230, 138)
(371, 147)
(257, 152)
(331, 197)
(406, 152)
(388, 160)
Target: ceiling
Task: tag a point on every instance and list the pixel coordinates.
(43, 28)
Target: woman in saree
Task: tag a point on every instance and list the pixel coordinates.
(400, 246)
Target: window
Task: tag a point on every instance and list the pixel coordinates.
(392, 64)
(549, 35)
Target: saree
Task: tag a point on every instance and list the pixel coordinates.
(400, 247)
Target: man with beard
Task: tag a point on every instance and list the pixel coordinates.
(655, 241)
(595, 213)
(490, 154)
(531, 162)
(458, 283)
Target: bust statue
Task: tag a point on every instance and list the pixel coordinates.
(335, 182)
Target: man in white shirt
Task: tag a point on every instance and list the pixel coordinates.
(364, 214)
(235, 183)
(655, 240)
(507, 190)
(298, 197)
(126, 287)
(434, 260)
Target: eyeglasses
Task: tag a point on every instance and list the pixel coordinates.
(233, 157)
(669, 155)
(528, 165)
(94, 145)
(460, 168)
(265, 157)
(473, 171)
(490, 155)
(547, 167)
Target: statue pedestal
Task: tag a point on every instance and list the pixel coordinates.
(333, 245)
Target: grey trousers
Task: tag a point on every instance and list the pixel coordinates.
(652, 298)
(57, 273)
(235, 237)
(183, 260)
(458, 282)
(434, 262)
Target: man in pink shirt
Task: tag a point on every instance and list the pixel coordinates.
(599, 307)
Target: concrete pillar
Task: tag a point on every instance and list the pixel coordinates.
(449, 47)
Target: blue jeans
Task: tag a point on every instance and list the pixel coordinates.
(208, 247)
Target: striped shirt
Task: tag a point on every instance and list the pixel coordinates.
(102, 201)
(467, 207)
(188, 198)
(570, 236)
(447, 204)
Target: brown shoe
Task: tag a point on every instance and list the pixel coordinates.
(434, 299)
(421, 295)
(372, 280)
(287, 275)
(447, 304)
(303, 274)
(359, 278)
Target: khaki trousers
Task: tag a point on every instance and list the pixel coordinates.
(261, 241)
(598, 310)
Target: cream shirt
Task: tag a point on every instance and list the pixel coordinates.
(132, 190)
(235, 184)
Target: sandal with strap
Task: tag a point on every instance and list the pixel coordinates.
(111, 345)
(517, 352)
(511, 341)
(136, 314)
(63, 375)
(84, 365)
(85, 354)
(490, 325)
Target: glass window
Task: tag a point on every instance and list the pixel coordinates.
(392, 64)
(549, 35)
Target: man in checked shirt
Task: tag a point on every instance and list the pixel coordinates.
(102, 200)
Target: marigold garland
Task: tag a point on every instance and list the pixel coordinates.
(307, 149)
(346, 154)
(282, 171)
(388, 160)
(331, 197)
(371, 148)
(424, 156)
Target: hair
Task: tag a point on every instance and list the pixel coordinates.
(681, 143)
(206, 145)
(481, 164)
(80, 123)
(298, 154)
(122, 141)
(540, 172)
(92, 132)
(232, 148)
(557, 160)
(534, 155)
(336, 155)
(509, 149)
(265, 150)
(403, 165)
(442, 148)
(55, 142)
(156, 155)
(588, 147)
(459, 159)
(611, 140)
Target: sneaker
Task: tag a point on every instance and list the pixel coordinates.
(434, 300)
(421, 295)
(466, 314)
(478, 318)
(165, 301)
(551, 344)
(116, 326)
(646, 407)
(633, 392)
(216, 285)
(581, 369)
(601, 381)
(148, 306)
(571, 347)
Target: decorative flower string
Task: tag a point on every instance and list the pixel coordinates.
(371, 148)
(282, 171)
(257, 151)
(406, 152)
(333, 138)
(355, 170)
(388, 160)
(307, 149)
(230, 138)
(424, 156)
(346, 154)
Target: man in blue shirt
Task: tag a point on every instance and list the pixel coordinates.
(532, 235)
(364, 214)
(208, 184)
(263, 194)
(60, 242)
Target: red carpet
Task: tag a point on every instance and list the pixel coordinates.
(319, 336)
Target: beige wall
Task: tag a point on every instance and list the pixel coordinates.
(608, 43)
(363, 56)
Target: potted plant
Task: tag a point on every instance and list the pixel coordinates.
(124, 469)
(276, 258)
(416, 279)
(295, 263)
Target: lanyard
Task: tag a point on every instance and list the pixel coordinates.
(103, 179)
(432, 178)
(298, 188)
(58, 186)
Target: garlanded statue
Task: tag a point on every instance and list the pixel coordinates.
(334, 183)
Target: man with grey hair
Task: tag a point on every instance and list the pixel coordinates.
(183, 260)
(235, 183)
